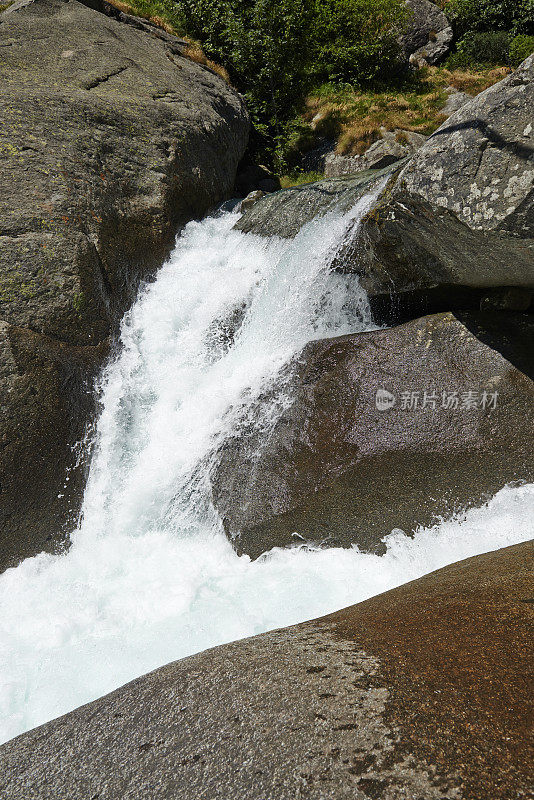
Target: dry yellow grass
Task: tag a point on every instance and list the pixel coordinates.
(195, 53)
(355, 118)
(471, 82)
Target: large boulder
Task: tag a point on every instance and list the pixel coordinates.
(428, 33)
(422, 692)
(110, 140)
(480, 164)
(381, 430)
(461, 212)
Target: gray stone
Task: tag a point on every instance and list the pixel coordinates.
(418, 693)
(337, 165)
(110, 140)
(480, 163)
(391, 147)
(428, 33)
(455, 101)
(335, 470)
(461, 212)
(251, 200)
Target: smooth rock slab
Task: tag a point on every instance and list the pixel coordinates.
(422, 692)
(337, 470)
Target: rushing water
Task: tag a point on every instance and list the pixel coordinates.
(150, 576)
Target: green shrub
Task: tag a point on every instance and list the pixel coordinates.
(491, 15)
(520, 48)
(481, 49)
(358, 40)
(266, 46)
(276, 50)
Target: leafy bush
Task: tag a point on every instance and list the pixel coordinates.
(491, 15)
(520, 48)
(265, 46)
(276, 50)
(358, 40)
(481, 49)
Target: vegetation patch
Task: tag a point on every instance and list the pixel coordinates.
(300, 178)
(355, 118)
(316, 70)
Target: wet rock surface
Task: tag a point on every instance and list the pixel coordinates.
(420, 692)
(284, 213)
(110, 140)
(382, 430)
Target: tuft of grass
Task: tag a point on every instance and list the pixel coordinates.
(195, 52)
(158, 12)
(470, 81)
(355, 117)
(3, 6)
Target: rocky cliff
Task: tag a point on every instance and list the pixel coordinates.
(110, 140)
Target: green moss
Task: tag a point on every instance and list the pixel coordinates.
(79, 303)
(16, 285)
(300, 178)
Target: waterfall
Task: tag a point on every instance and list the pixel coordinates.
(150, 576)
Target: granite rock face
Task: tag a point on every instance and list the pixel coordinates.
(428, 34)
(461, 212)
(110, 140)
(420, 692)
(480, 163)
(388, 429)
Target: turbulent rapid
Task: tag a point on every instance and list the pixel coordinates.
(150, 576)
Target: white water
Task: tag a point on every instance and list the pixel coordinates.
(150, 577)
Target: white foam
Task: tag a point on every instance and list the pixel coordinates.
(150, 577)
